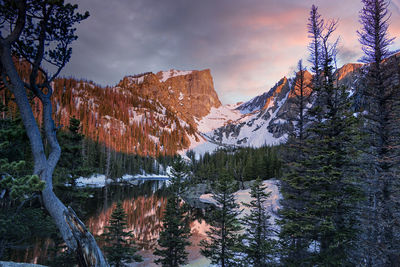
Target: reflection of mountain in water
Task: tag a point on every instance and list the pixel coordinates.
(144, 205)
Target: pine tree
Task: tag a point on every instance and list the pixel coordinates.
(321, 188)
(71, 160)
(223, 237)
(381, 98)
(119, 249)
(300, 97)
(259, 246)
(18, 220)
(315, 26)
(176, 231)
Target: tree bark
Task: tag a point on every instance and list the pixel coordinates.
(73, 231)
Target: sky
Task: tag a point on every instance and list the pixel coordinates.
(249, 45)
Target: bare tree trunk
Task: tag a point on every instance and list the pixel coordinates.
(73, 231)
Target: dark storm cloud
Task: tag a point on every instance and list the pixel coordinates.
(247, 44)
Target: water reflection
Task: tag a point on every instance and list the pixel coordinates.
(144, 205)
(144, 202)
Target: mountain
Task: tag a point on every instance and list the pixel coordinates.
(266, 119)
(174, 111)
(188, 93)
(262, 101)
(146, 114)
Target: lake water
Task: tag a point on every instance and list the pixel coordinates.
(144, 202)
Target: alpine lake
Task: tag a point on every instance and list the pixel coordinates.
(144, 201)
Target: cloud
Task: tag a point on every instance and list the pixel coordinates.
(248, 45)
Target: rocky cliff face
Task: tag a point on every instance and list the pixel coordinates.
(146, 114)
(255, 127)
(262, 101)
(190, 94)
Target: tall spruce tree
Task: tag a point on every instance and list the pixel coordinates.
(119, 246)
(319, 219)
(260, 247)
(176, 231)
(223, 236)
(301, 94)
(381, 245)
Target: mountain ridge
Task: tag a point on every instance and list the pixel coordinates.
(174, 111)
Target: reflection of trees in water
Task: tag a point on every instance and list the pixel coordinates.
(36, 253)
(144, 205)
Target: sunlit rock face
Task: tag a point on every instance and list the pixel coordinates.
(188, 93)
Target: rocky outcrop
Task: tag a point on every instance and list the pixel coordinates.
(17, 264)
(188, 93)
(263, 101)
(348, 74)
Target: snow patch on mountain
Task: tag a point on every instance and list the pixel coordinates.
(218, 117)
(173, 73)
(202, 146)
(254, 131)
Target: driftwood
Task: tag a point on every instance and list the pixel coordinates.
(88, 252)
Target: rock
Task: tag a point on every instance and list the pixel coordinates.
(188, 93)
(17, 264)
(196, 190)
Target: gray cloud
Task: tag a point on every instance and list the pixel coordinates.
(247, 44)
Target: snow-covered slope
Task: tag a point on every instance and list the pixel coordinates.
(218, 117)
(264, 120)
(248, 124)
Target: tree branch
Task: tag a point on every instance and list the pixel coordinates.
(19, 25)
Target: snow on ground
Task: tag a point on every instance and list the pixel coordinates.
(136, 80)
(272, 204)
(173, 73)
(253, 132)
(217, 117)
(96, 180)
(200, 146)
(99, 180)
